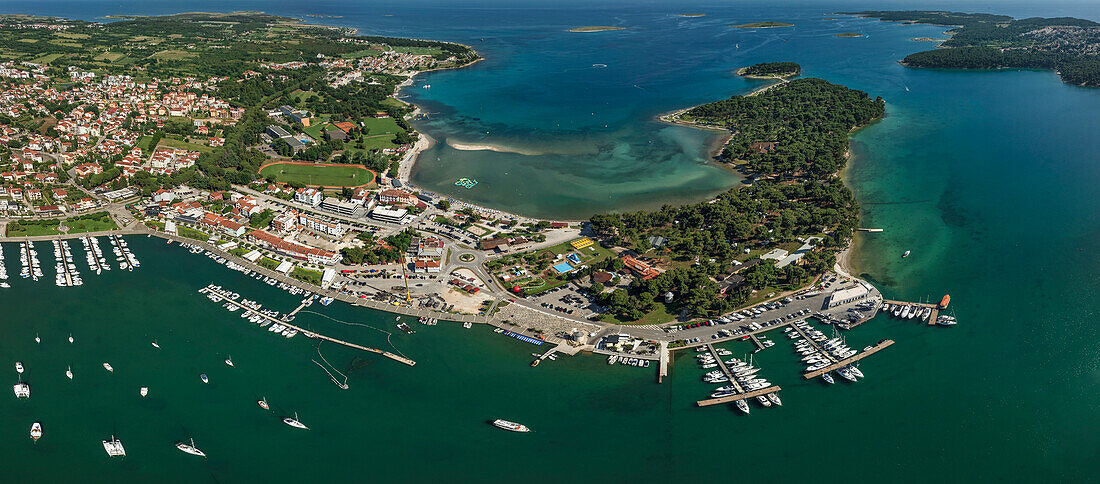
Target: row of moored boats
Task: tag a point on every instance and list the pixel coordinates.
(821, 351)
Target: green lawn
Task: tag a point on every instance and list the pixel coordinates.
(310, 276)
(376, 126)
(191, 233)
(337, 176)
(267, 263)
(93, 222)
(143, 143)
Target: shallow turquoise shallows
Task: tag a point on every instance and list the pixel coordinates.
(988, 178)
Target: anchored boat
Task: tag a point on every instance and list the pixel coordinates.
(294, 422)
(190, 449)
(36, 431)
(114, 447)
(510, 426)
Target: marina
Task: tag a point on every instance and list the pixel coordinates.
(282, 324)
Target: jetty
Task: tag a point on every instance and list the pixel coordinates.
(224, 295)
(934, 307)
(741, 393)
(881, 345)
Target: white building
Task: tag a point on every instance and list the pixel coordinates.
(383, 214)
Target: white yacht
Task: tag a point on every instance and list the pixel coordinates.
(763, 400)
(144, 391)
(108, 367)
(190, 449)
(229, 361)
(22, 390)
(19, 367)
(293, 422)
(775, 398)
(742, 406)
(36, 431)
(69, 372)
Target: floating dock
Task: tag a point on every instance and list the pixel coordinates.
(847, 361)
(534, 341)
(740, 396)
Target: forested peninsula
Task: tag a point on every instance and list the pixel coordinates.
(793, 140)
(1068, 45)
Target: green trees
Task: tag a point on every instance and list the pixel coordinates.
(782, 69)
(282, 147)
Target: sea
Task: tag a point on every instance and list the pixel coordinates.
(988, 177)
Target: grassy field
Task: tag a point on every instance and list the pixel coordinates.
(46, 59)
(376, 126)
(191, 233)
(183, 145)
(336, 176)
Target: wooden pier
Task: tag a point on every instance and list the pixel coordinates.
(931, 317)
(307, 333)
(740, 396)
(847, 361)
(756, 341)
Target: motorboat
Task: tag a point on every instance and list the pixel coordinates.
(204, 378)
(108, 367)
(906, 254)
(263, 403)
(70, 338)
(510, 426)
(36, 431)
(69, 372)
(155, 345)
(229, 361)
(144, 391)
(763, 400)
(742, 406)
(828, 378)
(19, 367)
(775, 398)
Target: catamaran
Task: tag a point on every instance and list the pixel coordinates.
(114, 447)
(190, 449)
(22, 390)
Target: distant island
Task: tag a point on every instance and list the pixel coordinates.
(1070, 46)
(692, 14)
(597, 28)
(770, 70)
(763, 25)
(848, 34)
(325, 16)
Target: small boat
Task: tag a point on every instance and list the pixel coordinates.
(190, 449)
(69, 372)
(36, 431)
(144, 391)
(828, 378)
(775, 399)
(742, 406)
(263, 403)
(19, 367)
(155, 345)
(293, 422)
(906, 254)
(114, 447)
(204, 378)
(229, 361)
(22, 390)
(37, 339)
(510, 426)
(108, 367)
(70, 338)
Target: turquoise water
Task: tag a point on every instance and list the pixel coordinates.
(987, 177)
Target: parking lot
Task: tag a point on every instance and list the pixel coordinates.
(568, 300)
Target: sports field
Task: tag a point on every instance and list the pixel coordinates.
(318, 174)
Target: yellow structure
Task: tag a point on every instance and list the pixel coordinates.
(581, 243)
